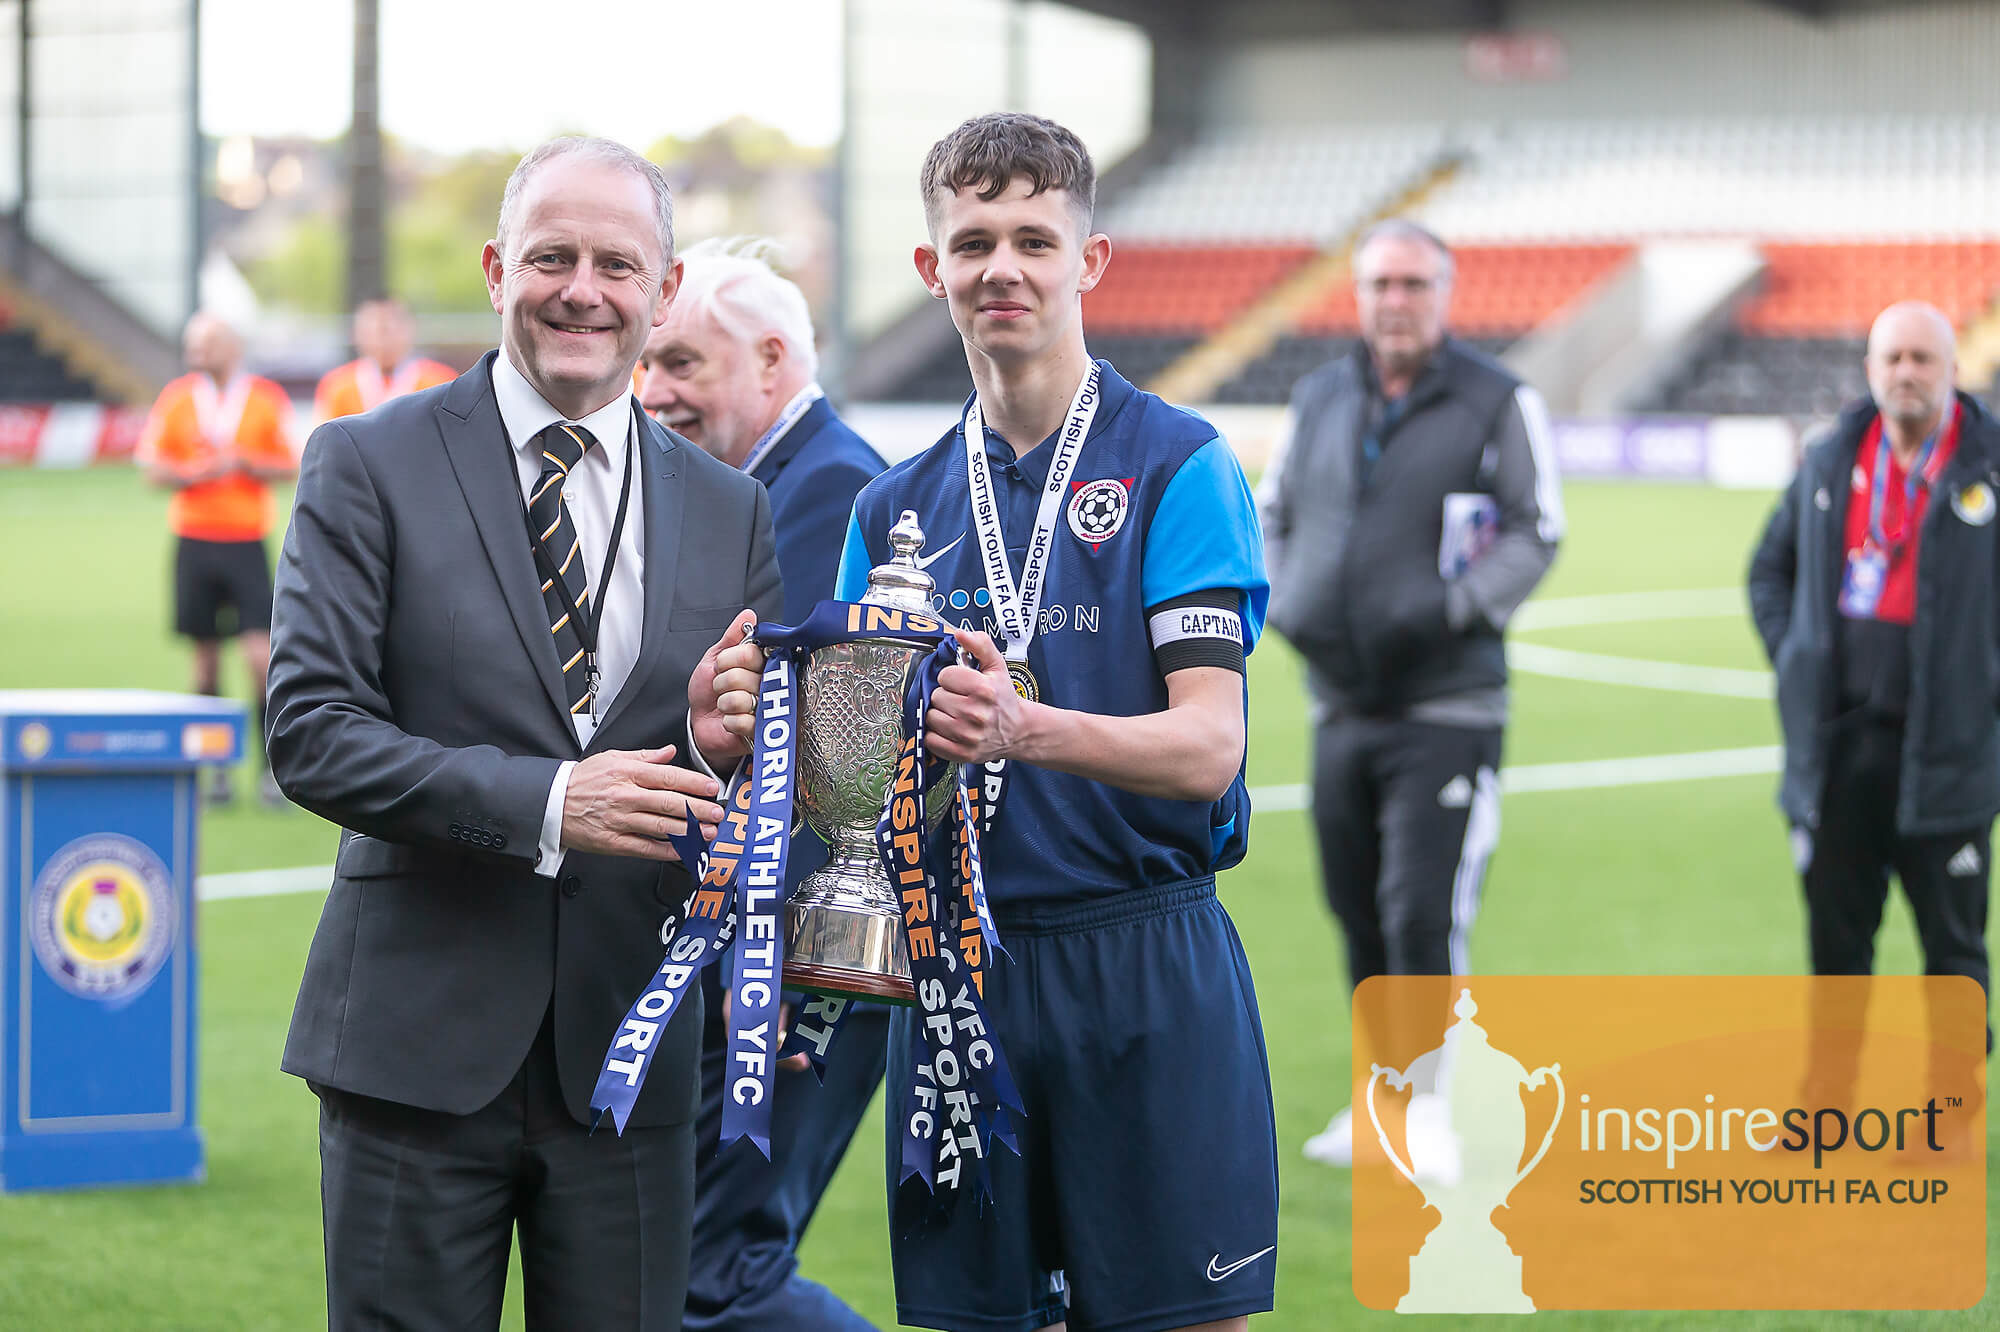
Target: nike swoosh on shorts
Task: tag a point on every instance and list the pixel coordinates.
(1218, 1273)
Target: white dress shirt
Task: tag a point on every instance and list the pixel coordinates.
(590, 494)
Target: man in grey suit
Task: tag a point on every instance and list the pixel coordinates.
(490, 609)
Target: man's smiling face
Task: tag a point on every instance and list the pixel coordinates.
(582, 282)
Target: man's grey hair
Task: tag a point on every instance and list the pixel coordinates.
(736, 281)
(608, 152)
(1402, 228)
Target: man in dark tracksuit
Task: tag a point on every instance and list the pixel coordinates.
(1413, 508)
(1876, 591)
(733, 369)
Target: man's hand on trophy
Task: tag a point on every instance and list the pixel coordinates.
(975, 714)
(722, 693)
(627, 802)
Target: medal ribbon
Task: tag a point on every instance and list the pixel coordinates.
(1017, 608)
(1911, 483)
(220, 416)
(374, 390)
(800, 404)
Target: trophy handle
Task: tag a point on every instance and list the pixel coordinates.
(1376, 1073)
(1554, 1073)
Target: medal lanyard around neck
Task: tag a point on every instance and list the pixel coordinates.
(1911, 482)
(800, 404)
(1016, 606)
(220, 414)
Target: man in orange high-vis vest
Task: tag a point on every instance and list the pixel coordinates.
(384, 369)
(217, 437)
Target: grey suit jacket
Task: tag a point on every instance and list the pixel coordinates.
(415, 699)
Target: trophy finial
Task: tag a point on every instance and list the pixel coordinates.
(902, 582)
(906, 539)
(1465, 1008)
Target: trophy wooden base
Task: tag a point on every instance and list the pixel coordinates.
(850, 984)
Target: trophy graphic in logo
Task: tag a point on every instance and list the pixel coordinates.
(844, 926)
(1465, 1265)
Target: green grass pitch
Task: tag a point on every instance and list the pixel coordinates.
(1683, 878)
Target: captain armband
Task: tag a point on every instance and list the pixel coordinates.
(1198, 629)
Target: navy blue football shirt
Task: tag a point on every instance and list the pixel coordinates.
(1158, 510)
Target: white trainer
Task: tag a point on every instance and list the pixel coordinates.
(1432, 1142)
(1334, 1145)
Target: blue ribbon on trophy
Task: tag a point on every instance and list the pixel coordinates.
(704, 928)
(962, 1095)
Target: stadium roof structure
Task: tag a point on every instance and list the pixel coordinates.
(1251, 20)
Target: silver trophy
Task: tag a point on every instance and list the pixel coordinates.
(844, 925)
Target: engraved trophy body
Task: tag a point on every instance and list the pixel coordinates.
(844, 925)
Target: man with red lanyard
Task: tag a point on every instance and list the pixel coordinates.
(1876, 590)
(218, 437)
(384, 368)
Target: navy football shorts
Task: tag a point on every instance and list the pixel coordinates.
(1146, 1192)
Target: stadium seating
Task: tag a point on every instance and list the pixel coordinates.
(1786, 178)
(1850, 213)
(29, 374)
(1836, 288)
(1798, 343)
(1741, 373)
(1309, 185)
(1501, 291)
(1171, 289)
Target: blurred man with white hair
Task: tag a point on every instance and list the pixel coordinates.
(1888, 665)
(733, 370)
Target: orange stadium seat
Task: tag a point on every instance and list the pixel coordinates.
(1160, 289)
(1500, 290)
(1835, 289)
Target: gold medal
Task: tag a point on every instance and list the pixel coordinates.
(1024, 681)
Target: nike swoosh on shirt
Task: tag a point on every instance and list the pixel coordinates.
(1218, 1273)
(926, 561)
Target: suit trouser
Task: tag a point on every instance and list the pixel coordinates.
(1845, 867)
(1407, 814)
(750, 1213)
(420, 1209)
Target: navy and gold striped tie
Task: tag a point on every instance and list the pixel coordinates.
(562, 446)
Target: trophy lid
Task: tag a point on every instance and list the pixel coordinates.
(901, 582)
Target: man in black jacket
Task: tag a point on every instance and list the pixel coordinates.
(1888, 665)
(1413, 508)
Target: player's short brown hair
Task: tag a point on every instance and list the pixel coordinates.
(989, 153)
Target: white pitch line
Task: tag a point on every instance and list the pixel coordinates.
(1638, 672)
(1713, 603)
(1585, 775)
(264, 883)
(1516, 779)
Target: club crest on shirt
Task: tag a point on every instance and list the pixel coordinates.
(1974, 504)
(1097, 509)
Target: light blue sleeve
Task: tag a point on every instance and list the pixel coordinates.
(852, 580)
(1205, 535)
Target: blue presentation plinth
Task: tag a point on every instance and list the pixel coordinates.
(97, 947)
